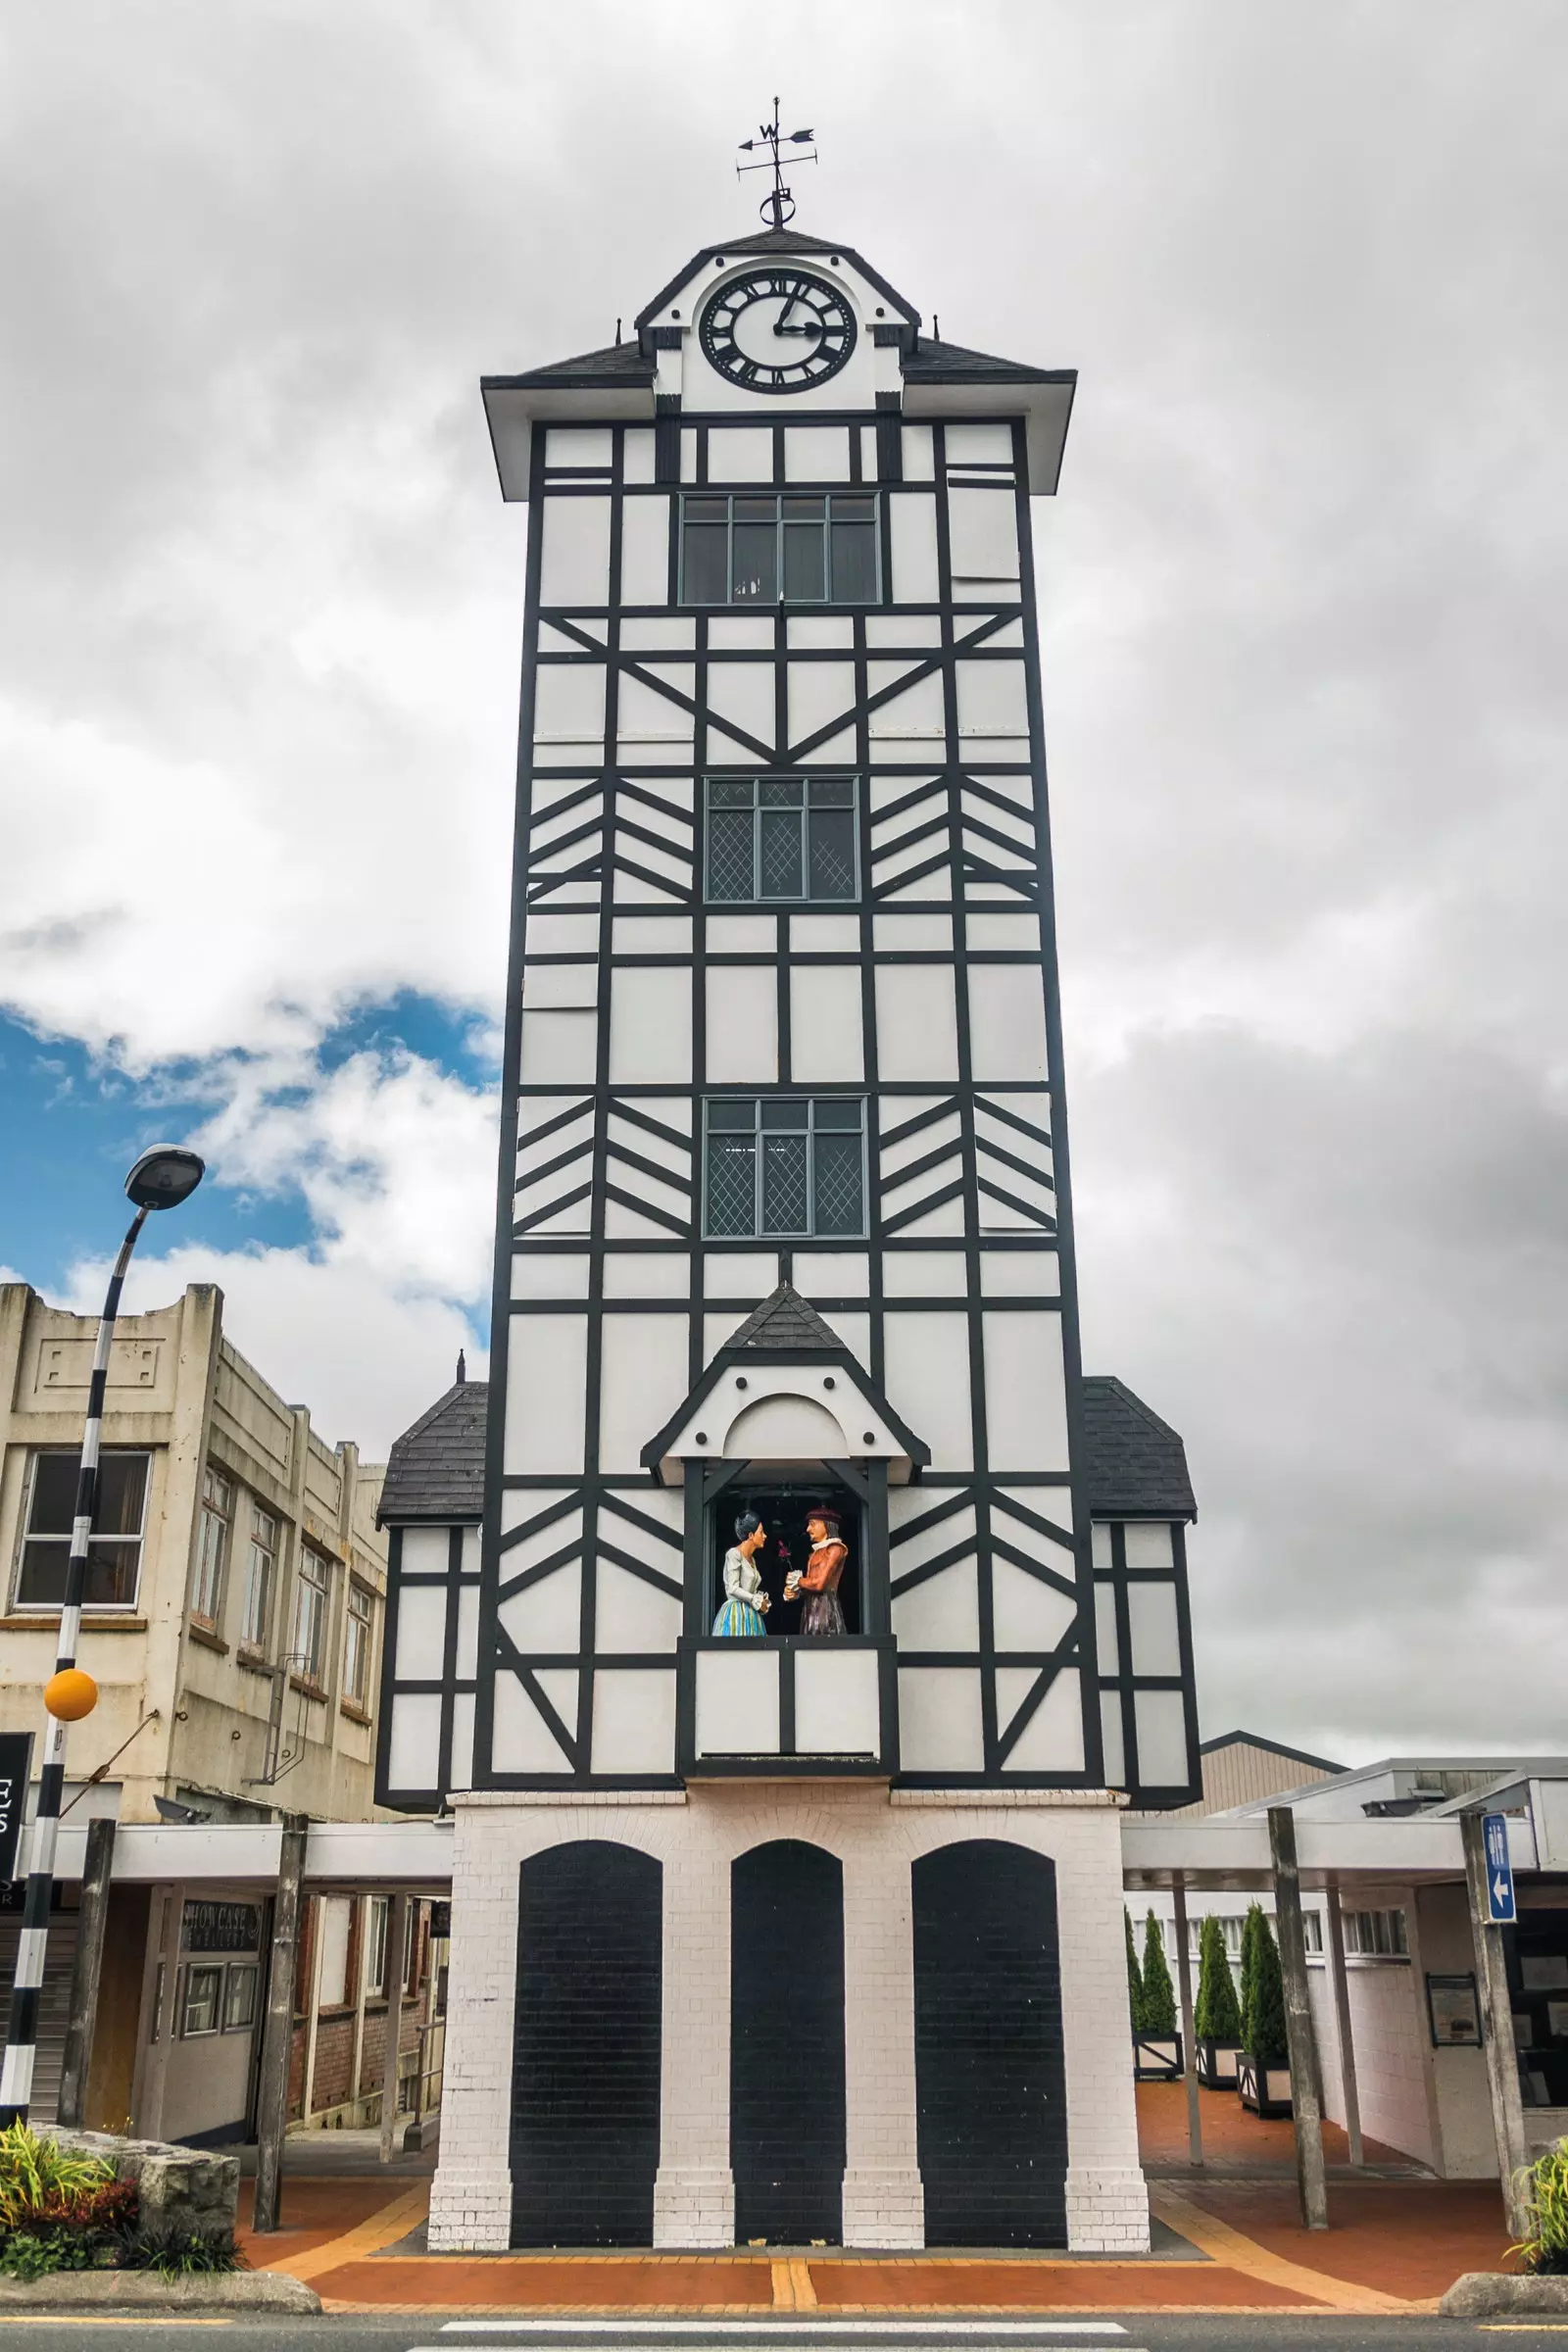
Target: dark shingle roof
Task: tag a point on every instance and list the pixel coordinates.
(436, 1468)
(786, 1320)
(933, 362)
(616, 364)
(1137, 1463)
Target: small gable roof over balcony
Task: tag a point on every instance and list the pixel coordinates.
(1137, 1466)
(435, 1470)
(785, 1388)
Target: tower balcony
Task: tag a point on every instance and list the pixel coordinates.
(792, 1708)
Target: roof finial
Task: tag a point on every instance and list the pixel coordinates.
(778, 206)
(463, 1368)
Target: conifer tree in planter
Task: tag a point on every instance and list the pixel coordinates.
(1263, 2067)
(1217, 2020)
(1156, 2044)
(1135, 1978)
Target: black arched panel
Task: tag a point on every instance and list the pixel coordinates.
(786, 2050)
(586, 2048)
(990, 2087)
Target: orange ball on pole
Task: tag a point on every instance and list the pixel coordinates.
(70, 1695)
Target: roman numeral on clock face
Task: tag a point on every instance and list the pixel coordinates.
(778, 330)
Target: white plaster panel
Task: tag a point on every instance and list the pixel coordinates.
(836, 1710)
(924, 1274)
(739, 1274)
(917, 1023)
(518, 1509)
(825, 1044)
(854, 1330)
(914, 714)
(643, 715)
(637, 454)
(740, 632)
(470, 1551)
(919, 458)
(546, 1617)
(784, 1429)
(888, 630)
(645, 550)
(819, 693)
(652, 934)
(913, 529)
(558, 987)
(575, 565)
(1007, 1022)
(631, 1615)
(977, 444)
(743, 935)
(520, 1741)
(911, 934)
(913, 1551)
(983, 529)
(820, 632)
(1053, 1740)
(737, 1700)
(742, 1024)
(644, 634)
(1020, 1273)
(461, 1773)
(546, 1377)
(832, 1273)
(741, 452)
(424, 1551)
(1111, 1739)
(1161, 1726)
(1027, 1614)
(945, 1223)
(635, 1722)
(422, 1628)
(651, 1026)
(928, 1382)
(646, 1274)
(939, 1719)
(1108, 1648)
(558, 1535)
(825, 934)
(942, 1613)
(468, 1648)
(816, 453)
(642, 1380)
(1006, 932)
(1147, 1543)
(741, 693)
(716, 1329)
(551, 934)
(569, 703)
(1026, 1406)
(1099, 1544)
(991, 700)
(549, 1274)
(1153, 1627)
(574, 446)
(414, 1748)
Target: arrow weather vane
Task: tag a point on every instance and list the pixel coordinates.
(778, 206)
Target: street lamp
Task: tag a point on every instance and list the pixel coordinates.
(162, 1178)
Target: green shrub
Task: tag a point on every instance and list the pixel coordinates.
(178, 2256)
(1159, 1993)
(1249, 1925)
(38, 2177)
(29, 2253)
(1218, 2015)
(1135, 1980)
(1545, 2185)
(1265, 2023)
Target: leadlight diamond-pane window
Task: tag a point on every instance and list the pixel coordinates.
(782, 1166)
(781, 840)
(772, 549)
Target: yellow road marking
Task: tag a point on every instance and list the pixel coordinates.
(83, 2319)
(379, 2230)
(1224, 2243)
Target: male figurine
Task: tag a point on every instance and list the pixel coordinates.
(817, 1588)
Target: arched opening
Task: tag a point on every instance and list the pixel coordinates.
(786, 2051)
(990, 2086)
(585, 2072)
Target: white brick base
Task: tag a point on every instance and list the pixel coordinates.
(694, 2206)
(1108, 2210)
(471, 2212)
(884, 2207)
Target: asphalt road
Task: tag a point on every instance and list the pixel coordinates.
(1198, 2331)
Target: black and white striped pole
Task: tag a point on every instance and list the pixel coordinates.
(161, 1179)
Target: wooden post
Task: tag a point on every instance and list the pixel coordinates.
(1306, 2109)
(1184, 1979)
(91, 1920)
(1341, 2013)
(277, 2034)
(395, 1932)
(1496, 2029)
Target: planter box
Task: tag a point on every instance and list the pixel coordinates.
(1157, 2057)
(1216, 2064)
(1266, 2089)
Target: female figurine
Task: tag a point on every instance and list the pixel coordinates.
(745, 1603)
(818, 1586)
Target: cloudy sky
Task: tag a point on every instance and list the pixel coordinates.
(1303, 602)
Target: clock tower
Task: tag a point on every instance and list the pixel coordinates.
(810, 1617)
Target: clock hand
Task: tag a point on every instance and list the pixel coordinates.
(779, 328)
(811, 327)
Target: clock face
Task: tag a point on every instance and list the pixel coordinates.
(778, 330)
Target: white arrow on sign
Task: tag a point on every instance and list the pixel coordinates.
(1499, 1887)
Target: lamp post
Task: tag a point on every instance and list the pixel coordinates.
(162, 1178)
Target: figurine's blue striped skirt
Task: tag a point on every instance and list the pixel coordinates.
(740, 1621)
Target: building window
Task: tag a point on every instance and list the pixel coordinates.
(782, 1167)
(212, 1546)
(239, 1999)
(780, 837)
(375, 1945)
(780, 550)
(333, 1918)
(1376, 1935)
(114, 1552)
(259, 1578)
(203, 1993)
(311, 1590)
(357, 1646)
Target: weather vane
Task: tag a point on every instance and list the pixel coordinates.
(778, 206)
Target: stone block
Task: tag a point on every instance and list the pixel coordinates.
(183, 2192)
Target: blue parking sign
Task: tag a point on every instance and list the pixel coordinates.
(1501, 1908)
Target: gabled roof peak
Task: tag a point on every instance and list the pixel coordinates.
(786, 1320)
